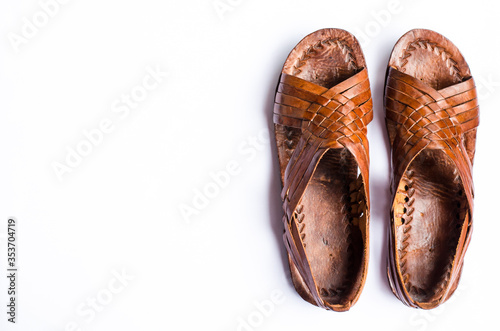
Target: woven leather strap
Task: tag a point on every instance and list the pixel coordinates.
(328, 118)
(429, 119)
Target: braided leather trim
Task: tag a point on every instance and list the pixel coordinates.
(328, 118)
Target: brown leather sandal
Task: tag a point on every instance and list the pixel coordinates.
(322, 106)
(431, 116)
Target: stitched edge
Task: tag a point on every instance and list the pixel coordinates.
(433, 48)
(320, 45)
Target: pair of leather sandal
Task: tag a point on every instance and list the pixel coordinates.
(322, 108)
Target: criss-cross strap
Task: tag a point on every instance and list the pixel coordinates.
(426, 118)
(328, 118)
(429, 118)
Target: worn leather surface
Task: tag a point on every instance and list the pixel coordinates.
(431, 115)
(322, 106)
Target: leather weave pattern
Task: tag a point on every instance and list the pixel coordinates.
(426, 118)
(328, 118)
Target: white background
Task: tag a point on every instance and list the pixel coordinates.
(118, 210)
